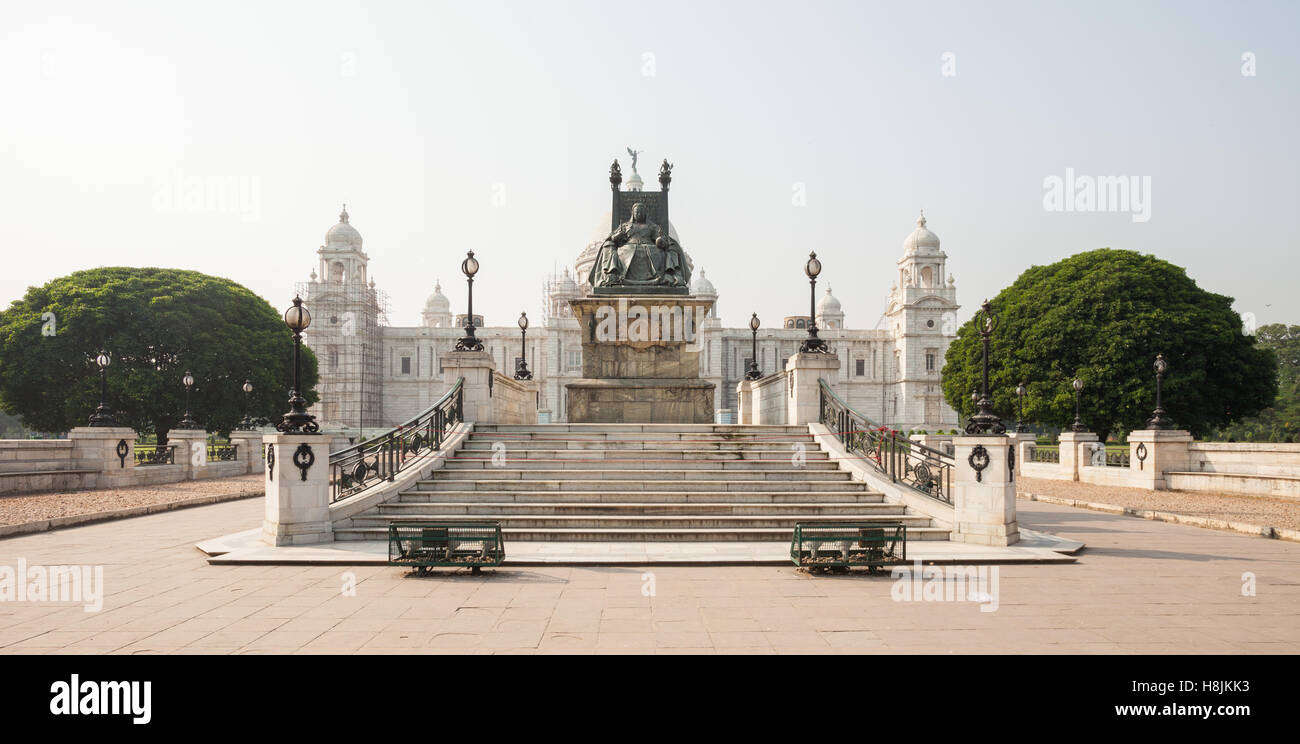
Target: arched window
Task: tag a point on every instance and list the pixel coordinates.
(927, 277)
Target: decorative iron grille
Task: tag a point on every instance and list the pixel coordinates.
(1045, 454)
(921, 468)
(380, 458)
(848, 544)
(152, 454)
(223, 452)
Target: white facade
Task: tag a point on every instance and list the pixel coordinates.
(375, 375)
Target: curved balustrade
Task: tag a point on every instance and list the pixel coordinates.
(904, 461)
(380, 458)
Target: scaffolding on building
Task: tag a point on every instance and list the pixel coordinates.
(347, 338)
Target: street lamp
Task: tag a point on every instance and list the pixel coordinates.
(521, 369)
(985, 421)
(1078, 423)
(247, 423)
(753, 373)
(469, 342)
(103, 416)
(813, 344)
(297, 420)
(1020, 409)
(1159, 419)
(188, 422)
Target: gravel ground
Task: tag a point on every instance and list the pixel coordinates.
(20, 508)
(1260, 510)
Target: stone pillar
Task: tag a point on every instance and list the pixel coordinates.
(745, 402)
(95, 448)
(297, 505)
(1076, 449)
(195, 461)
(1166, 451)
(477, 368)
(984, 499)
(1023, 442)
(249, 449)
(803, 394)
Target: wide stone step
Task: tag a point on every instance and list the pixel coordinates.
(514, 460)
(658, 497)
(533, 474)
(648, 521)
(569, 508)
(656, 429)
(516, 484)
(486, 442)
(530, 534)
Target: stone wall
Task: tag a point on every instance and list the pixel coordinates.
(513, 401)
(769, 399)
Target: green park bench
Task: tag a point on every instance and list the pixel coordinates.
(424, 545)
(844, 545)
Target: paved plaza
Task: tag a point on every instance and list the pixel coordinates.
(1139, 587)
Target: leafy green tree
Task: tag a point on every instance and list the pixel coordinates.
(1102, 316)
(1279, 422)
(156, 324)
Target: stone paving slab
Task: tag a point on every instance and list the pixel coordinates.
(247, 548)
(1139, 587)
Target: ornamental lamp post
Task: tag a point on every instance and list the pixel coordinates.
(103, 415)
(188, 422)
(753, 373)
(247, 423)
(985, 421)
(469, 342)
(1078, 422)
(1159, 418)
(297, 420)
(1020, 407)
(521, 369)
(813, 344)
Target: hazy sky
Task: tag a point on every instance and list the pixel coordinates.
(223, 138)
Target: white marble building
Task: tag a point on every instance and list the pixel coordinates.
(374, 375)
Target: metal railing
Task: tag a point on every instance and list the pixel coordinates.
(1045, 453)
(921, 468)
(223, 452)
(380, 458)
(152, 454)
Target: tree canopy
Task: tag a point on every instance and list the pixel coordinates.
(1280, 422)
(156, 324)
(1102, 316)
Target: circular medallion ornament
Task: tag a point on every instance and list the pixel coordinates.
(978, 460)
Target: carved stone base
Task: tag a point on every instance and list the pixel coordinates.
(640, 401)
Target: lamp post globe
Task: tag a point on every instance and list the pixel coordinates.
(247, 423)
(469, 342)
(813, 344)
(103, 416)
(1078, 422)
(188, 422)
(1160, 418)
(754, 373)
(297, 420)
(1020, 409)
(521, 369)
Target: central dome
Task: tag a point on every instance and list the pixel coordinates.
(921, 238)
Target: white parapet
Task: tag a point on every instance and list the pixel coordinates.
(803, 399)
(1154, 452)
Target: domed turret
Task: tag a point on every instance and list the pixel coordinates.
(921, 240)
(702, 286)
(437, 309)
(343, 234)
(829, 312)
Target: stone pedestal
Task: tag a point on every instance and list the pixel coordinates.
(1024, 442)
(477, 368)
(1165, 450)
(1076, 449)
(640, 361)
(803, 396)
(297, 503)
(984, 499)
(745, 402)
(96, 448)
(191, 451)
(248, 448)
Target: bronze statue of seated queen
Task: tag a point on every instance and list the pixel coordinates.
(640, 256)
